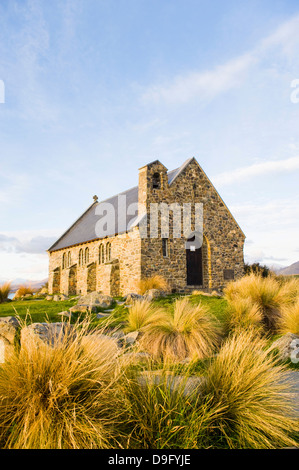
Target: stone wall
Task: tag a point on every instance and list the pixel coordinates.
(133, 257)
(116, 276)
(222, 251)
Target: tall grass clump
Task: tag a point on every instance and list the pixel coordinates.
(4, 291)
(264, 292)
(142, 313)
(63, 396)
(24, 290)
(153, 282)
(289, 320)
(160, 414)
(253, 391)
(241, 313)
(188, 331)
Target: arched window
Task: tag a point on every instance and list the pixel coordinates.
(64, 261)
(86, 256)
(69, 259)
(81, 257)
(108, 251)
(101, 254)
(156, 181)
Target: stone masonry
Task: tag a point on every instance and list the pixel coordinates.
(116, 267)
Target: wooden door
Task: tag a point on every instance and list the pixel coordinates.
(194, 267)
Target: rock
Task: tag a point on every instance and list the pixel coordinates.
(49, 297)
(117, 334)
(50, 334)
(130, 338)
(288, 346)
(94, 299)
(82, 309)
(174, 382)
(154, 294)
(138, 357)
(63, 297)
(43, 290)
(101, 315)
(65, 314)
(101, 344)
(8, 330)
(129, 298)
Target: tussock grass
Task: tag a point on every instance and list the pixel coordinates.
(242, 314)
(160, 417)
(4, 291)
(253, 391)
(186, 331)
(142, 313)
(153, 282)
(289, 320)
(60, 397)
(24, 290)
(265, 293)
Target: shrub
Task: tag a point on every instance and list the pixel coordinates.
(189, 331)
(256, 268)
(253, 390)
(4, 291)
(65, 396)
(154, 282)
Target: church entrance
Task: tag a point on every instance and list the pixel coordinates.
(194, 264)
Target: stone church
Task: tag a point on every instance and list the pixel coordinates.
(97, 255)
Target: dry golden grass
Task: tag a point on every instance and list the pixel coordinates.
(289, 320)
(251, 387)
(266, 293)
(24, 290)
(142, 313)
(242, 313)
(187, 332)
(4, 291)
(154, 282)
(60, 397)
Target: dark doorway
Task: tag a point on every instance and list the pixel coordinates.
(194, 266)
(73, 280)
(56, 281)
(91, 278)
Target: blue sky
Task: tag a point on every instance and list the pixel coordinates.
(95, 89)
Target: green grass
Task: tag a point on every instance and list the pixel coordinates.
(39, 310)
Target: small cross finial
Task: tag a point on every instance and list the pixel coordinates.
(95, 198)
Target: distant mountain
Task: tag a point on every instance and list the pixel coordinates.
(276, 267)
(289, 270)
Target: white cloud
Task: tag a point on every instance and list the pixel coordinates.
(207, 85)
(203, 85)
(29, 242)
(27, 266)
(257, 169)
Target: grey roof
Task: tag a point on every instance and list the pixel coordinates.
(89, 225)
